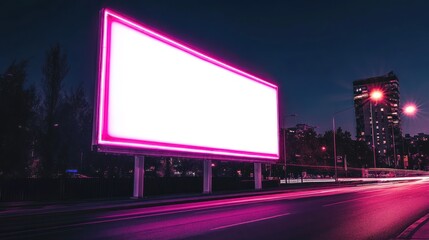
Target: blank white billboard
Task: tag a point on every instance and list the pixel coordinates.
(156, 96)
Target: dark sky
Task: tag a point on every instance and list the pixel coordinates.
(312, 49)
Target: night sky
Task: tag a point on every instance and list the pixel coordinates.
(313, 50)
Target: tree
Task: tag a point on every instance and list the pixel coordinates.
(17, 104)
(73, 125)
(357, 152)
(54, 71)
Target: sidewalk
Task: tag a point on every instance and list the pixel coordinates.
(416, 231)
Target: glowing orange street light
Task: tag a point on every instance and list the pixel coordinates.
(410, 109)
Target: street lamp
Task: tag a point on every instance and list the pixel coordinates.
(376, 95)
(410, 110)
(284, 141)
(334, 132)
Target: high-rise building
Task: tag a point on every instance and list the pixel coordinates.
(379, 121)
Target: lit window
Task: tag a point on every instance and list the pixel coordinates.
(384, 142)
(382, 109)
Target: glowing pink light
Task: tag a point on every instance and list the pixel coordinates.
(410, 109)
(376, 95)
(156, 94)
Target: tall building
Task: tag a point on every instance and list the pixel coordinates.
(383, 122)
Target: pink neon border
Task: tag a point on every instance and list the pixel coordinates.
(102, 136)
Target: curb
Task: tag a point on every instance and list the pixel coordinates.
(412, 229)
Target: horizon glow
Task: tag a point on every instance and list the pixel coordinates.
(157, 94)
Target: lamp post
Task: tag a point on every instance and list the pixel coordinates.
(394, 146)
(375, 96)
(372, 135)
(284, 142)
(334, 133)
(410, 110)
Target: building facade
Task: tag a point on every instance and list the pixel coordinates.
(379, 121)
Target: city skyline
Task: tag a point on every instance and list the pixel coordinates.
(312, 50)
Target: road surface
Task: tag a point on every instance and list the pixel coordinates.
(367, 211)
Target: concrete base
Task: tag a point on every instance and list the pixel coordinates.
(138, 176)
(207, 178)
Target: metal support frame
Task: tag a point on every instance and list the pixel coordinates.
(258, 175)
(207, 178)
(138, 176)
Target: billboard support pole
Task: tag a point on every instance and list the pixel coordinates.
(138, 176)
(207, 178)
(258, 176)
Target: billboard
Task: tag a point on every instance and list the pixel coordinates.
(156, 96)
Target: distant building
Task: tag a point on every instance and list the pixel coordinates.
(386, 122)
(289, 137)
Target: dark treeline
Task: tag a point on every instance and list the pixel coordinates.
(306, 147)
(47, 129)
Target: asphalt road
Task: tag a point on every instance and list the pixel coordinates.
(370, 211)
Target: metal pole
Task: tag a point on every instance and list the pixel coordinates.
(138, 176)
(394, 146)
(207, 178)
(284, 141)
(284, 152)
(257, 174)
(372, 133)
(334, 132)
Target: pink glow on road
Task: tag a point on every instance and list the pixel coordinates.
(274, 196)
(157, 94)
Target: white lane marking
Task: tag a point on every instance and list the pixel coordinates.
(251, 221)
(355, 199)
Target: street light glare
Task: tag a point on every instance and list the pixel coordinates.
(376, 95)
(410, 109)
